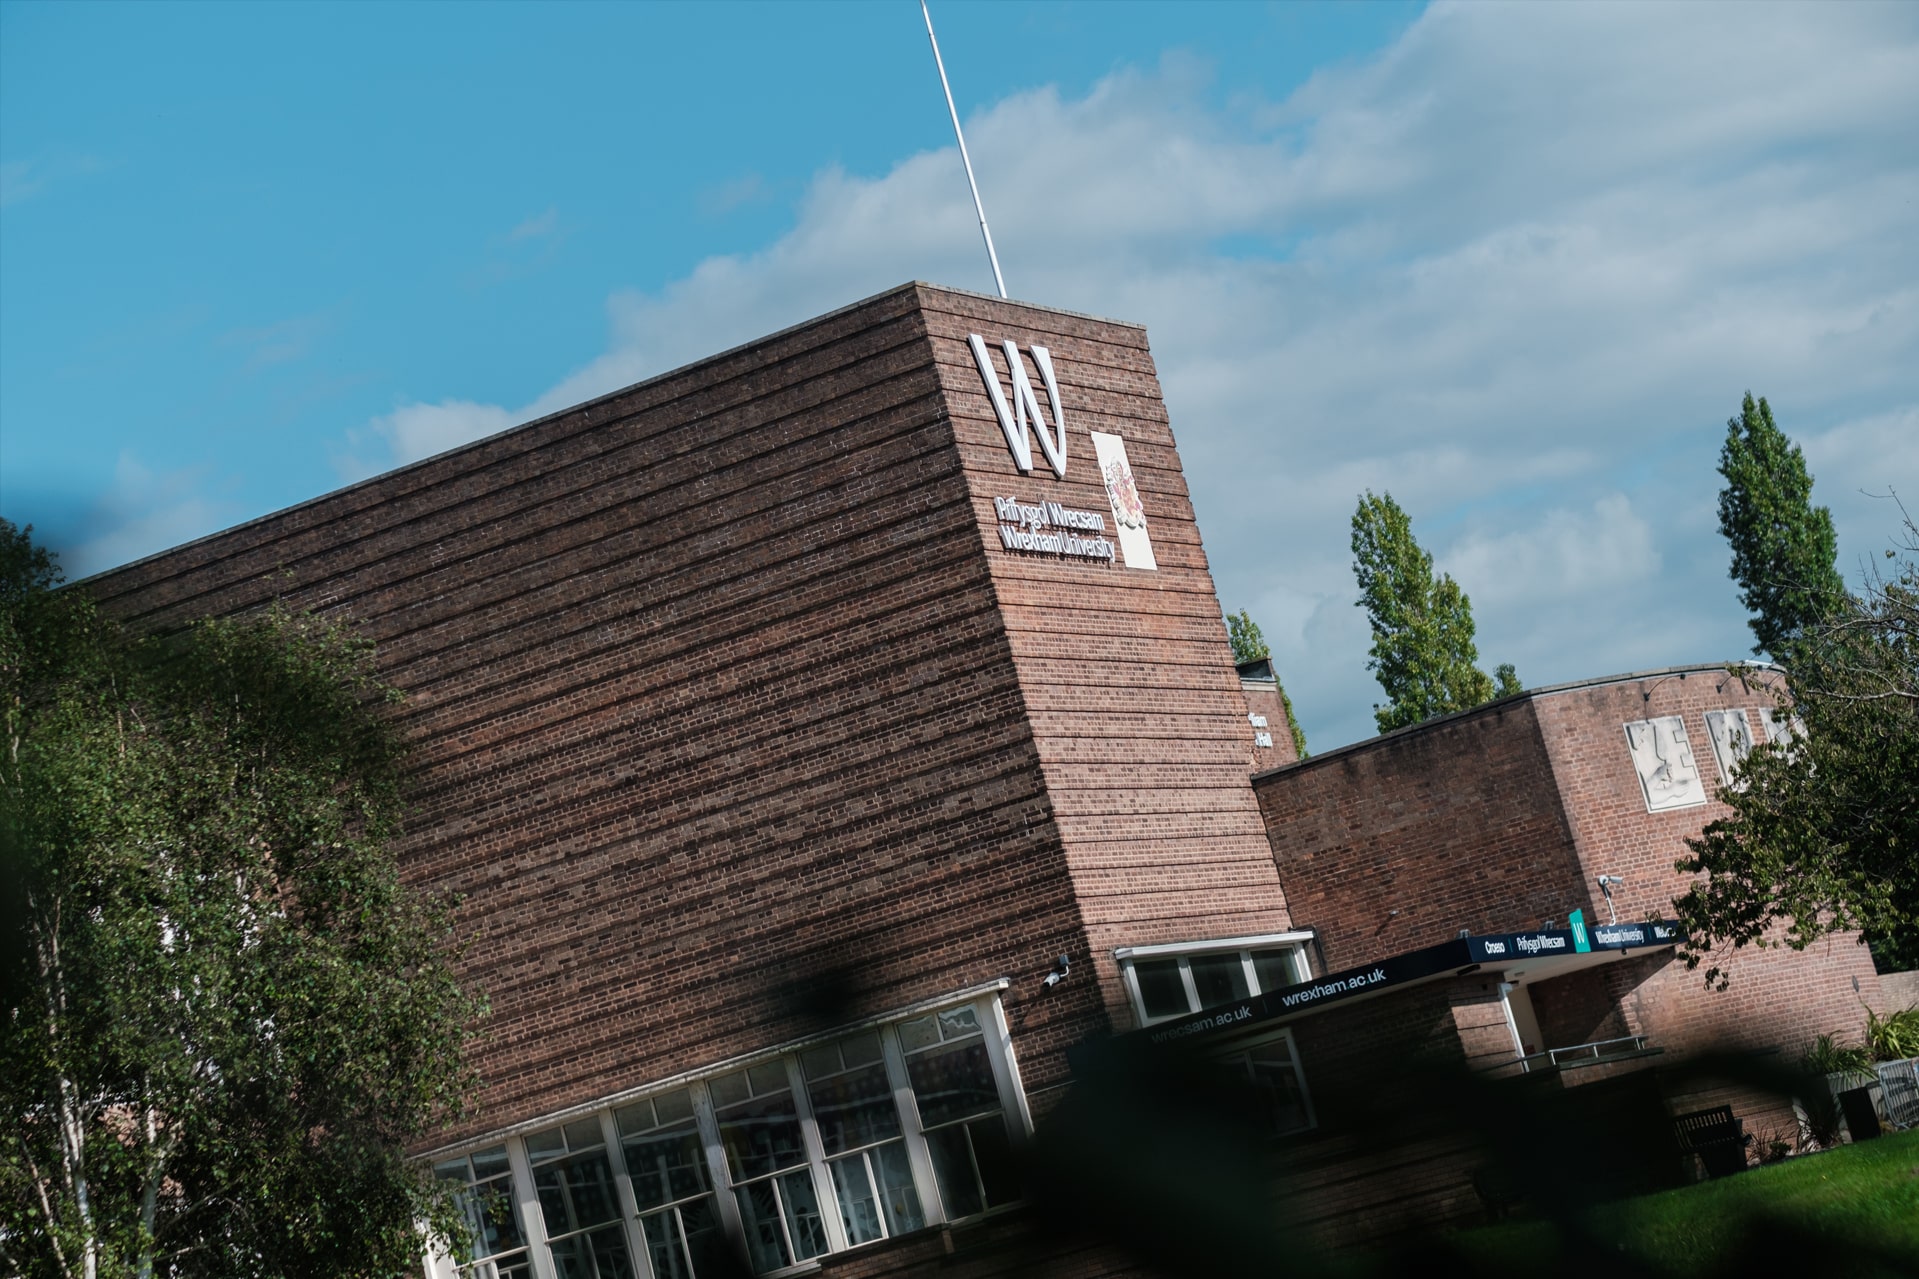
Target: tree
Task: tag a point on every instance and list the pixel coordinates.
(225, 1017)
(1823, 836)
(1249, 645)
(1783, 547)
(1423, 650)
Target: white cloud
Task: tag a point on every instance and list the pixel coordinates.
(144, 511)
(536, 227)
(414, 431)
(1566, 554)
(1518, 270)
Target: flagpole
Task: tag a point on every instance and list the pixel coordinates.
(966, 160)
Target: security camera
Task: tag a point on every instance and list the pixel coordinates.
(1061, 967)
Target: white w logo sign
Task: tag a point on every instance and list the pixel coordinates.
(1013, 421)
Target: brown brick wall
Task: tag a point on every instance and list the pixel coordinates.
(1504, 816)
(1262, 698)
(715, 725)
(1127, 676)
(730, 715)
(1402, 841)
(1777, 998)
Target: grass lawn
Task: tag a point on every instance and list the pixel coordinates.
(1864, 1196)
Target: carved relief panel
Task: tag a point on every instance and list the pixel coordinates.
(1663, 758)
(1731, 735)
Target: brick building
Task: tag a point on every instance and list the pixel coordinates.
(825, 737)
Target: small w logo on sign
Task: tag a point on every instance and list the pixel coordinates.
(1013, 421)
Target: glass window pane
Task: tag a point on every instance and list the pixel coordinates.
(1274, 968)
(768, 1076)
(955, 1023)
(665, 1166)
(542, 1145)
(861, 1050)
(728, 1089)
(824, 1060)
(953, 1166)
(498, 1219)
(859, 1205)
(854, 1109)
(635, 1118)
(953, 1083)
(673, 1107)
(921, 1032)
(491, 1163)
(898, 1195)
(761, 1136)
(1277, 1085)
(575, 1192)
(705, 1241)
(519, 1266)
(584, 1134)
(600, 1255)
(663, 1246)
(685, 1242)
(453, 1170)
(804, 1225)
(760, 1214)
(1219, 979)
(1160, 988)
(993, 1152)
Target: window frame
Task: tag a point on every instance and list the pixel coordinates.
(1184, 952)
(994, 1034)
(1243, 1052)
(487, 1266)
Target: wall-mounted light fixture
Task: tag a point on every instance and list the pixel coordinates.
(1606, 885)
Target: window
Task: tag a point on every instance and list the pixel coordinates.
(1172, 981)
(1270, 1072)
(863, 1140)
(492, 1217)
(960, 1111)
(759, 1123)
(578, 1202)
(666, 1162)
(792, 1156)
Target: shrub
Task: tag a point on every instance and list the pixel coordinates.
(1893, 1037)
(1825, 1055)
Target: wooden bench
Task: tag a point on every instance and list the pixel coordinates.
(1716, 1136)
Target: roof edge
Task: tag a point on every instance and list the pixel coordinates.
(676, 371)
(1545, 690)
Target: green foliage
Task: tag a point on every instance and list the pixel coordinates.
(226, 1018)
(1853, 1211)
(1825, 1055)
(1823, 835)
(1893, 1037)
(1423, 650)
(1783, 547)
(1506, 681)
(1292, 723)
(1249, 645)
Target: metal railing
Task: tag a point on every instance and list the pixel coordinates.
(1598, 1050)
(1899, 1091)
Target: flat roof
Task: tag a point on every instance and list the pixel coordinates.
(1545, 690)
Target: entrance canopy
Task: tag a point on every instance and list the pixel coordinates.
(1536, 955)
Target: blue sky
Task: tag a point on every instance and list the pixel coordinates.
(1515, 264)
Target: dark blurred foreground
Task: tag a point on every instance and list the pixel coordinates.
(1155, 1162)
